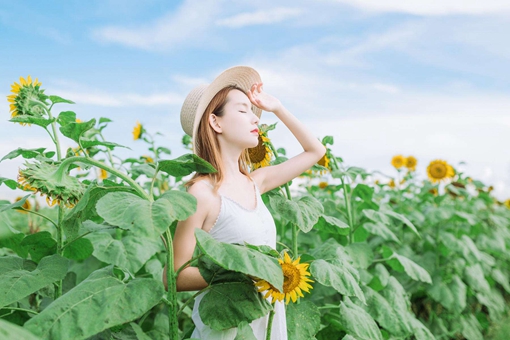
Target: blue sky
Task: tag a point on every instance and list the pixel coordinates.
(422, 78)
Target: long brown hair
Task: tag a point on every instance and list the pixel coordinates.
(207, 146)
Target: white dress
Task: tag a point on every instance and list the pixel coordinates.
(236, 224)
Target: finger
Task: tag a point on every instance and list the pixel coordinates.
(260, 87)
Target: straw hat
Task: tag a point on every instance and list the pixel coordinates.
(199, 98)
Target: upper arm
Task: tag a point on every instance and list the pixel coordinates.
(184, 238)
(271, 177)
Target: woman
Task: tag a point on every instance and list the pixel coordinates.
(222, 119)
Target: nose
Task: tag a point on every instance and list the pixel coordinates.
(255, 117)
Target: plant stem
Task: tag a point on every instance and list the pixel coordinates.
(192, 298)
(38, 214)
(186, 264)
(20, 309)
(349, 213)
(66, 162)
(60, 242)
(270, 324)
(173, 330)
(152, 183)
(55, 134)
(110, 158)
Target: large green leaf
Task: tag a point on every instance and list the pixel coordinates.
(332, 225)
(476, 279)
(185, 165)
(361, 254)
(384, 313)
(336, 276)
(380, 229)
(398, 299)
(501, 278)
(380, 278)
(79, 249)
(99, 302)
(28, 119)
(403, 219)
(39, 245)
(76, 130)
(303, 320)
(17, 204)
(304, 212)
(11, 331)
(25, 153)
(421, 332)
(19, 277)
(357, 322)
(130, 253)
(403, 264)
(239, 302)
(9, 182)
(131, 212)
(245, 332)
(459, 292)
(10, 237)
(66, 117)
(470, 327)
(241, 259)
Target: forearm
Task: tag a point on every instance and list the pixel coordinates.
(189, 279)
(304, 136)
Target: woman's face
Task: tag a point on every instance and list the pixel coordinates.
(239, 123)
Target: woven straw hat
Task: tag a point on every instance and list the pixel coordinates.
(199, 98)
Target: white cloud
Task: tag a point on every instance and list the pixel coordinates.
(189, 81)
(261, 17)
(432, 7)
(121, 99)
(187, 25)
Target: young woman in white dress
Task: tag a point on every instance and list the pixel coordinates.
(222, 119)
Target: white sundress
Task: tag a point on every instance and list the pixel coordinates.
(236, 224)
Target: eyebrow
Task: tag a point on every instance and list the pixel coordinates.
(243, 104)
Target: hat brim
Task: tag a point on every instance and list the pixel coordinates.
(241, 76)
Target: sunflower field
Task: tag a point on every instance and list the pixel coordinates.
(400, 258)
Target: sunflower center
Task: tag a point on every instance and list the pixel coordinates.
(258, 153)
(438, 171)
(291, 277)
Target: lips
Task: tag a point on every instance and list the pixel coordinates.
(255, 130)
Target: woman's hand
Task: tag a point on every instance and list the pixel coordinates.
(262, 100)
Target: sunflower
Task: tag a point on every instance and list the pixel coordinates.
(26, 205)
(26, 98)
(398, 161)
(433, 191)
(507, 203)
(391, 183)
(322, 185)
(260, 156)
(411, 163)
(295, 280)
(147, 159)
(103, 174)
(138, 131)
(79, 120)
(439, 170)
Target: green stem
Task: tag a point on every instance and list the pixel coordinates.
(171, 295)
(349, 213)
(110, 158)
(270, 324)
(193, 298)
(152, 183)
(68, 161)
(38, 214)
(60, 242)
(186, 264)
(68, 243)
(55, 134)
(21, 309)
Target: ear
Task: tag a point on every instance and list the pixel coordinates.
(214, 123)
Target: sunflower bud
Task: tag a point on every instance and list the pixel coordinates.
(28, 99)
(51, 181)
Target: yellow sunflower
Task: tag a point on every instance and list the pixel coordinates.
(21, 102)
(78, 120)
(433, 191)
(411, 163)
(322, 185)
(103, 174)
(295, 280)
(398, 161)
(439, 170)
(507, 203)
(147, 159)
(137, 131)
(26, 205)
(260, 156)
(391, 183)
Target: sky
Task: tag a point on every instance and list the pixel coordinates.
(424, 78)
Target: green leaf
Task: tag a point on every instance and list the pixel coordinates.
(244, 332)
(421, 332)
(25, 153)
(338, 277)
(397, 297)
(327, 140)
(363, 191)
(20, 278)
(303, 320)
(79, 249)
(358, 322)
(130, 253)
(39, 245)
(403, 219)
(99, 302)
(304, 212)
(129, 211)
(9, 182)
(441, 293)
(476, 279)
(10, 237)
(471, 327)
(27, 119)
(185, 165)
(501, 278)
(361, 254)
(17, 204)
(469, 250)
(381, 230)
(57, 99)
(105, 120)
(459, 291)
(240, 259)
(239, 302)
(382, 311)
(76, 130)
(66, 117)
(380, 278)
(403, 264)
(11, 331)
(110, 145)
(332, 225)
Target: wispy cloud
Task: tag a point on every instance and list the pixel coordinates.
(432, 7)
(187, 25)
(121, 99)
(261, 17)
